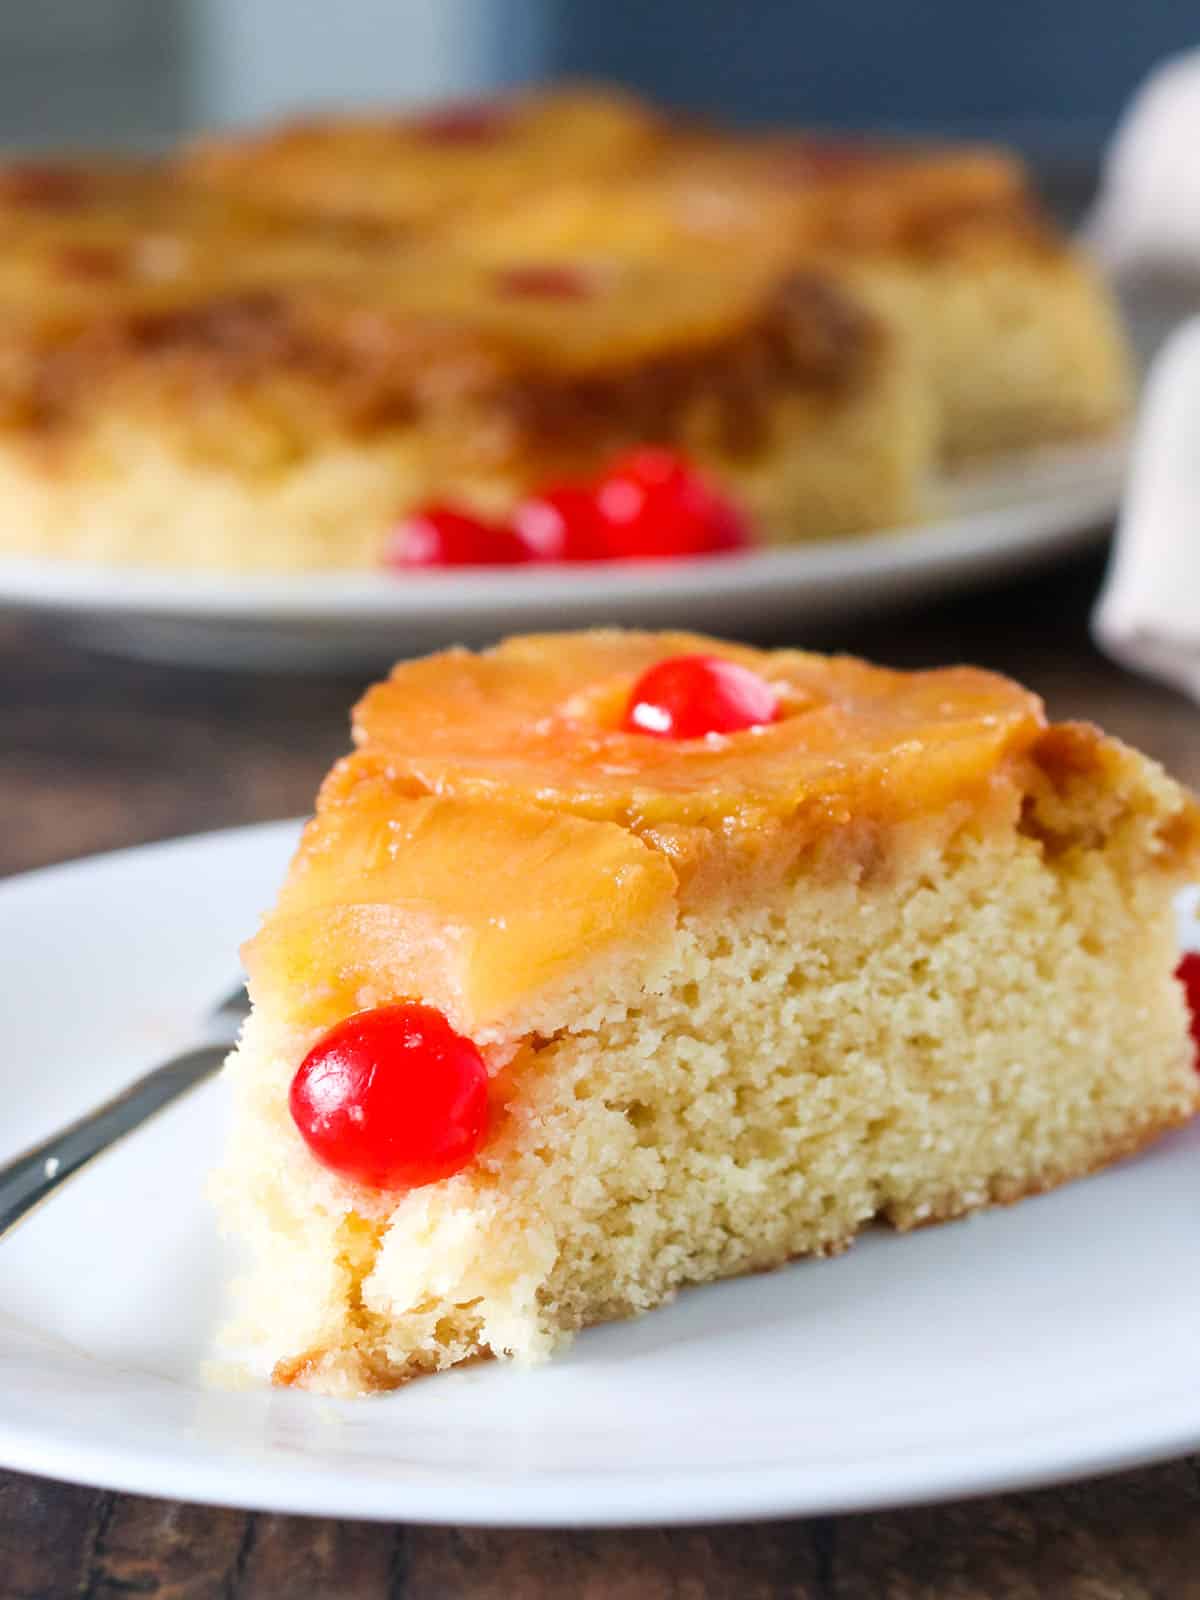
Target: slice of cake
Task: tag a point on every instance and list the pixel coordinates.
(617, 962)
(185, 382)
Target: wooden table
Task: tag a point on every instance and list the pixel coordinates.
(97, 753)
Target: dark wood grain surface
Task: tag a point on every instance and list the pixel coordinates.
(98, 753)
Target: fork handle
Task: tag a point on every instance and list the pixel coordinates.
(27, 1179)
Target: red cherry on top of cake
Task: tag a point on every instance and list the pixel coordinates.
(650, 505)
(392, 1098)
(654, 504)
(561, 524)
(687, 697)
(443, 536)
(1188, 973)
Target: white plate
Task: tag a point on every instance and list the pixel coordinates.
(1052, 1339)
(1006, 518)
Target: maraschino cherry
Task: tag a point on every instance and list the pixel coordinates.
(655, 504)
(687, 697)
(443, 536)
(560, 524)
(1188, 973)
(392, 1098)
(651, 504)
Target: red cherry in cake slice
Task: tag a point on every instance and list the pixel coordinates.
(1188, 973)
(442, 536)
(561, 524)
(655, 504)
(686, 697)
(392, 1098)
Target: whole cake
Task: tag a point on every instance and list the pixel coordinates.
(617, 962)
(273, 350)
(190, 382)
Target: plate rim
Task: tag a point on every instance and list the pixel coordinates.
(1076, 488)
(573, 1498)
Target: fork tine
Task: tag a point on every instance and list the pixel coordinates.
(234, 1007)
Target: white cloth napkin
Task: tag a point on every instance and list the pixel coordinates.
(1147, 217)
(1148, 615)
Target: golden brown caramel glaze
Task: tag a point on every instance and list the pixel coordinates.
(415, 167)
(496, 832)
(393, 895)
(461, 167)
(537, 720)
(120, 282)
(797, 196)
(153, 226)
(1074, 763)
(852, 194)
(199, 320)
(103, 264)
(1019, 341)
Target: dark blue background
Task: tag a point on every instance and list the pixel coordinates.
(1051, 76)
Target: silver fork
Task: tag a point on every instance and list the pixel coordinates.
(27, 1179)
